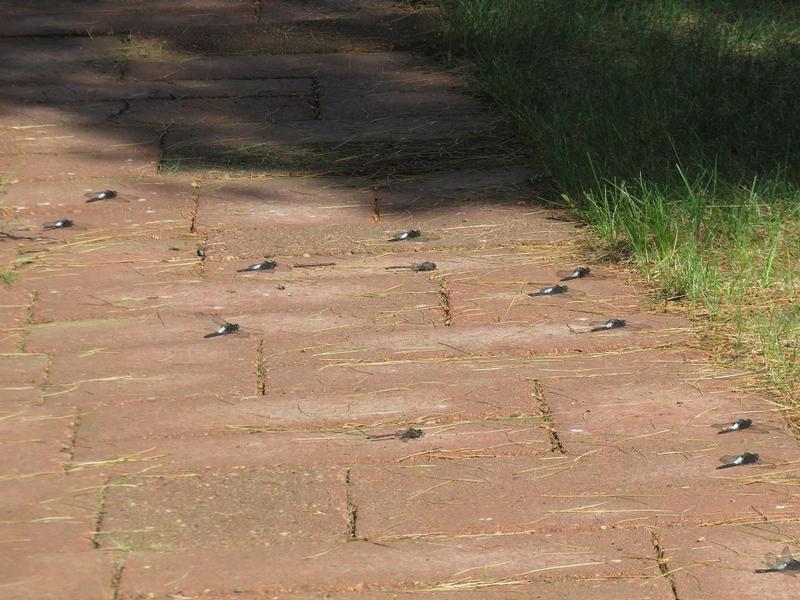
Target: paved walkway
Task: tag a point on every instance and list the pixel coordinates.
(141, 460)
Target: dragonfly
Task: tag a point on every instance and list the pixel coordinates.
(59, 224)
(411, 433)
(578, 273)
(741, 425)
(416, 267)
(557, 290)
(223, 328)
(406, 235)
(737, 425)
(266, 265)
(746, 458)
(610, 324)
(98, 196)
(785, 563)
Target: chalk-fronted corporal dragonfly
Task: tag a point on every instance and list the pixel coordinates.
(406, 235)
(785, 563)
(412, 433)
(746, 458)
(416, 267)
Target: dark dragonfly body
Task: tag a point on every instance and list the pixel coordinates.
(737, 425)
(781, 564)
(425, 266)
(610, 324)
(550, 291)
(578, 273)
(267, 265)
(746, 458)
(406, 235)
(225, 328)
(409, 434)
(60, 224)
(104, 195)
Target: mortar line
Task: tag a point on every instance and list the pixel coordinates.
(126, 106)
(261, 369)
(27, 321)
(195, 206)
(162, 143)
(352, 509)
(663, 566)
(315, 99)
(72, 438)
(376, 209)
(547, 418)
(45, 380)
(99, 514)
(116, 576)
(444, 302)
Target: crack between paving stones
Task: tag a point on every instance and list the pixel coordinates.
(126, 106)
(69, 448)
(116, 577)
(195, 208)
(663, 564)
(45, 379)
(547, 418)
(315, 99)
(376, 210)
(27, 321)
(352, 509)
(261, 369)
(162, 146)
(444, 302)
(99, 514)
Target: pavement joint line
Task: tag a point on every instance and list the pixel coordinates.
(27, 321)
(72, 437)
(99, 514)
(376, 208)
(315, 98)
(45, 379)
(116, 577)
(444, 302)
(547, 418)
(352, 509)
(195, 200)
(663, 564)
(261, 368)
(162, 146)
(126, 106)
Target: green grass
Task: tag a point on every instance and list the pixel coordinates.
(672, 127)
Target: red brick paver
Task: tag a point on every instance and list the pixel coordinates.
(141, 460)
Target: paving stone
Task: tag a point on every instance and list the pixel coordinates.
(407, 565)
(54, 576)
(21, 375)
(79, 165)
(256, 507)
(265, 67)
(719, 562)
(79, 60)
(82, 139)
(111, 375)
(545, 494)
(48, 513)
(108, 18)
(225, 111)
(63, 95)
